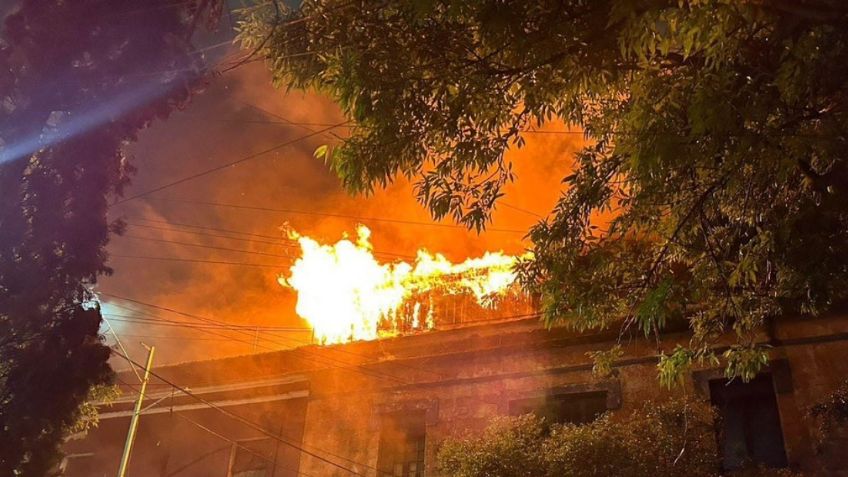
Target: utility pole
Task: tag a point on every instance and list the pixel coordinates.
(125, 458)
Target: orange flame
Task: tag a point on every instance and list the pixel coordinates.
(346, 294)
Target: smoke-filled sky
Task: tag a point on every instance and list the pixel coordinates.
(227, 123)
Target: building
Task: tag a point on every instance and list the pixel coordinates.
(382, 407)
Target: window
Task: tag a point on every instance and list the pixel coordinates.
(402, 445)
(252, 458)
(573, 408)
(78, 465)
(749, 427)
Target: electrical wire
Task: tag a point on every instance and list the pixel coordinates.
(302, 342)
(256, 426)
(277, 238)
(217, 434)
(220, 167)
(290, 339)
(187, 338)
(232, 338)
(310, 355)
(211, 247)
(153, 320)
(198, 261)
(329, 214)
(520, 209)
(253, 425)
(279, 241)
(287, 122)
(237, 444)
(326, 361)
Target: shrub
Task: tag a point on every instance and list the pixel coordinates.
(658, 440)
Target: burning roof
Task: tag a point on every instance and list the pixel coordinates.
(346, 294)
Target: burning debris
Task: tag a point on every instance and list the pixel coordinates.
(346, 294)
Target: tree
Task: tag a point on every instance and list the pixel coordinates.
(78, 80)
(716, 135)
(660, 439)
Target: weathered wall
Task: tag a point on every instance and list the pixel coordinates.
(185, 439)
(460, 379)
(474, 374)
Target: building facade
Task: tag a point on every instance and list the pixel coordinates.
(382, 407)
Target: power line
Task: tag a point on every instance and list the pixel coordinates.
(237, 444)
(279, 238)
(247, 332)
(526, 130)
(216, 434)
(481, 400)
(184, 70)
(150, 319)
(232, 338)
(154, 320)
(248, 329)
(200, 261)
(253, 425)
(256, 337)
(326, 361)
(284, 120)
(279, 241)
(211, 247)
(172, 337)
(201, 328)
(349, 125)
(520, 209)
(328, 214)
(164, 308)
(221, 166)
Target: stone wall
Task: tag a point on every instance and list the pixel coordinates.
(476, 372)
(336, 397)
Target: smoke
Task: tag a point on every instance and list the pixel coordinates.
(226, 123)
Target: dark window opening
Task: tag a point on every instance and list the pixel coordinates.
(749, 428)
(402, 445)
(252, 458)
(571, 408)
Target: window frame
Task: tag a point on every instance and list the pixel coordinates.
(411, 426)
(555, 402)
(238, 445)
(769, 391)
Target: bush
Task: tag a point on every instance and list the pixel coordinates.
(509, 447)
(658, 440)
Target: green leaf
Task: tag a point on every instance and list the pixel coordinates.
(321, 152)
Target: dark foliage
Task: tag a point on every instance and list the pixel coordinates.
(658, 440)
(716, 138)
(78, 79)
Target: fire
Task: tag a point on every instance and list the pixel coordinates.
(346, 294)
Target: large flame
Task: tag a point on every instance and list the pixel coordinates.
(346, 294)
